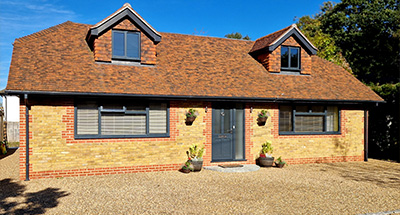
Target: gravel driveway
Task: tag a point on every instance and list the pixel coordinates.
(340, 188)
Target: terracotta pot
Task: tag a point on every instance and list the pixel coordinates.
(261, 121)
(266, 161)
(185, 170)
(197, 165)
(190, 120)
(279, 165)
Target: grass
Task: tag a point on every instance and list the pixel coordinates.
(13, 144)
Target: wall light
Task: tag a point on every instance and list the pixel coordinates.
(251, 109)
(206, 109)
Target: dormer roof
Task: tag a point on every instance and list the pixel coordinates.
(124, 12)
(272, 41)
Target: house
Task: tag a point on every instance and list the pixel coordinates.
(111, 98)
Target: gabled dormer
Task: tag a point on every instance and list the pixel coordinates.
(124, 37)
(287, 51)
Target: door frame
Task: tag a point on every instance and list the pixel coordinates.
(232, 106)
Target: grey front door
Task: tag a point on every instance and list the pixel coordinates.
(227, 132)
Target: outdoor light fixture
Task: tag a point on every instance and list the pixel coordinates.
(251, 110)
(206, 109)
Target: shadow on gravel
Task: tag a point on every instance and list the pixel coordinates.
(9, 152)
(26, 203)
(378, 174)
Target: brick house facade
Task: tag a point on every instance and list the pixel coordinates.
(70, 102)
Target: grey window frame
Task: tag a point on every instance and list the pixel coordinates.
(125, 57)
(298, 68)
(309, 113)
(126, 112)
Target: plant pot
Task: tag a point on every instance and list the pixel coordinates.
(279, 165)
(185, 170)
(197, 165)
(190, 120)
(3, 149)
(266, 161)
(261, 121)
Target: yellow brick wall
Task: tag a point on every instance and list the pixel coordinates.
(54, 149)
(349, 143)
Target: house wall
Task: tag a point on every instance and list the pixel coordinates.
(299, 149)
(272, 61)
(54, 152)
(103, 44)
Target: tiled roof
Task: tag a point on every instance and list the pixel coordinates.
(269, 39)
(59, 60)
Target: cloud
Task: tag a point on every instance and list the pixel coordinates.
(21, 18)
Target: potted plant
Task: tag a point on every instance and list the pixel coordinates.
(279, 162)
(191, 115)
(262, 117)
(3, 147)
(266, 160)
(187, 167)
(195, 155)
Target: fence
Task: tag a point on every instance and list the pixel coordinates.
(2, 126)
(12, 132)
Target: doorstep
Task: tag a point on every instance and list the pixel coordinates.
(244, 168)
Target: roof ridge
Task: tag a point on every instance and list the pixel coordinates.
(124, 7)
(44, 31)
(213, 37)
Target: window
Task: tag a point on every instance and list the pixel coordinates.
(121, 120)
(126, 45)
(290, 58)
(304, 119)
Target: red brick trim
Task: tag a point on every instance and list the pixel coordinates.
(207, 132)
(102, 171)
(172, 167)
(324, 159)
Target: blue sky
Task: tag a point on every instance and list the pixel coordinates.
(207, 17)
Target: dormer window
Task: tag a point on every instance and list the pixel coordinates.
(290, 58)
(125, 45)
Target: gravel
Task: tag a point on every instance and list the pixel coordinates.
(339, 188)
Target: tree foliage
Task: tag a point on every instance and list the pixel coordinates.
(367, 32)
(238, 36)
(384, 123)
(327, 49)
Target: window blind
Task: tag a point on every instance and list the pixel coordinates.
(332, 118)
(285, 118)
(158, 118)
(121, 124)
(309, 124)
(88, 119)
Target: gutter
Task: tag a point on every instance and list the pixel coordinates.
(27, 137)
(208, 98)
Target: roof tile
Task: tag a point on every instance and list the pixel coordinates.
(59, 60)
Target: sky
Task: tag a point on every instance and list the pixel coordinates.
(216, 18)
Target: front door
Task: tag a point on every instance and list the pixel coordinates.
(227, 132)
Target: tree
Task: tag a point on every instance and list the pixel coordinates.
(238, 36)
(367, 33)
(327, 49)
